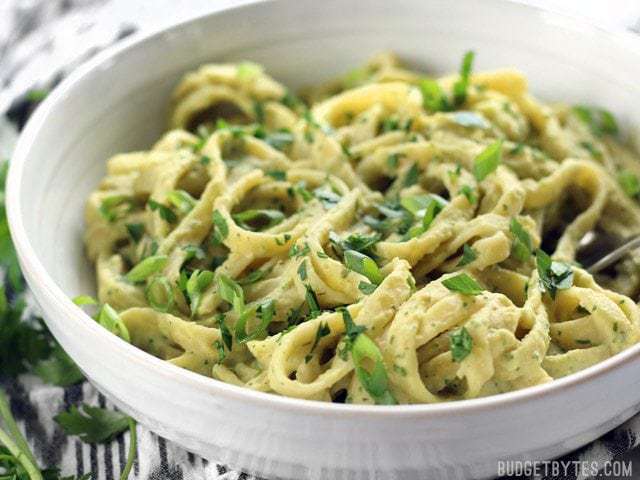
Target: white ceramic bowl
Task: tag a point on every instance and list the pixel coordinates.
(118, 102)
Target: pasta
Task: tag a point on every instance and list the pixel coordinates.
(383, 238)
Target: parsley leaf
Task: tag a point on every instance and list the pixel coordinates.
(367, 288)
(468, 255)
(553, 275)
(359, 242)
(522, 246)
(598, 120)
(312, 302)
(464, 284)
(221, 230)
(629, 183)
(92, 424)
(322, 331)
(460, 344)
(165, 212)
(411, 177)
(198, 282)
(135, 230)
(468, 192)
(487, 161)
(59, 369)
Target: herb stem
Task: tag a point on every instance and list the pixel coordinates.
(17, 446)
(133, 450)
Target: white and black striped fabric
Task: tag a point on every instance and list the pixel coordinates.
(36, 52)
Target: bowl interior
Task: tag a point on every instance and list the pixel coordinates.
(120, 103)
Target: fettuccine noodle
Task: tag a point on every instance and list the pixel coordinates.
(380, 239)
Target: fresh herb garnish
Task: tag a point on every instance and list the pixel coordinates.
(462, 84)
(135, 230)
(433, 97)
(411, 177)
(109, 319)
(487, 161)
(322, 331)
(146, 268)
(198, 282)
(460, 344)
(367, 288)
(221, 229)
(522, 246)
(265, 312)
(464, 284)
(165, 212)
(279, 175)
(160, 294)
(468, 255)
(302, 270)
(225, 333)
(629, 182)
(113, 207)
(598, 120)
(92, 424)
(312, 302)
(363, 265)
(299, 251)
(553, 275)
(426, 207)
(181, 200)
(359, 242)
(468, 192)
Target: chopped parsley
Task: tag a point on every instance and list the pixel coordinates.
(279, 175)
(487, 161)
(302, 270)
(135, 230)
(365, 244)
(411, 177)
(181, 200)
(460, 344)
(468, 192)
(165, 212)
(221, 229)
(522, 247)
(312, 302)
(598, 120)
(463, 283)
(553, 275)
(468, 255)
(367, 288)
(629, 183)
(322, 331)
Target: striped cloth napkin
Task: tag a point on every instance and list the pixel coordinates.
(40, 42)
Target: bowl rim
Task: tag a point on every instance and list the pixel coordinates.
(48, 288)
